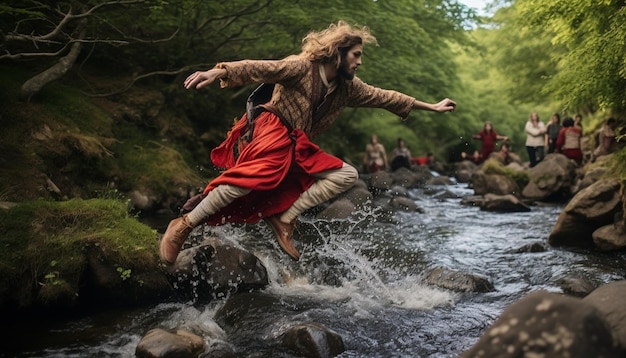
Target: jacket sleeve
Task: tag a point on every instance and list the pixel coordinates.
(361, 94)
(284, 71)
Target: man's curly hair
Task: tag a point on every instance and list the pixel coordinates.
(329, 45)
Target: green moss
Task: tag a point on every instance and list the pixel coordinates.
(492, 166)
(44, 243)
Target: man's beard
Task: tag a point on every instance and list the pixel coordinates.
(344, 72)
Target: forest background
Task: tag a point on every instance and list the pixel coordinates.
(91, 96)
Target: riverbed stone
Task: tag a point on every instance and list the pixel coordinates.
(458, 281)
(338, 209)
(503, 203)
(159, 343)
(545, 324)
(214, 269)
(405, 178)
(484, 183)
(440, 181)
(313, 340)
(609, 300)
(404, 203)
(590, 209)
(380, 181)
(610, 237)
(552, 179)
(359, 196)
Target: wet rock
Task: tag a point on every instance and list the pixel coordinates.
(531, 248)
(380, 182)
(338, 209)
(590, 209)
(545, 324)
(609, 300)
(440, 180)
(214, 269)
(161, 343)
(463, 176)
(610, 237)
(472, 200)
(397, 190)
(359, 196)
(503, 203)
(403, 203)
(577, 286)
(313, 340)
(219, 349)
(463, 171)
(552, 179)
(405, 178)
(458, 281)
(493, 183)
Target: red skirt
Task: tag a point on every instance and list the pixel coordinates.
(276, 165)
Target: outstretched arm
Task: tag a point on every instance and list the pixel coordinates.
(445, 105)
(201, 79)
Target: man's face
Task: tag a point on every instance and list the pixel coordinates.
(350, 62)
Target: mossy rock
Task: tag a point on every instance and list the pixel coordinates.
(72, 253)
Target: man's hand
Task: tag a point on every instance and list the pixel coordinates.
(201, 79)
(446, 105)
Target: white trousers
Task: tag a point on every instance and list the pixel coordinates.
(328, 184)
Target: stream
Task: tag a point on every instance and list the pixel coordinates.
(364, 280)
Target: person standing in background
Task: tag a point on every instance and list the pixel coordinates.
(578, 122)
(552, 132)
(488, 136)
(375, 158)
(535, 132)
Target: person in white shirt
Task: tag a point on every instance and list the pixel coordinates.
(535, 143)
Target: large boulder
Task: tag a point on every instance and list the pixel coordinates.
(547, 324)
(590, 209)
(214, 269)
(609, 300)
(553, 179)
(493, 184)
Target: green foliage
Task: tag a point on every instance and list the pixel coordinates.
(45, 244)
(573, 51)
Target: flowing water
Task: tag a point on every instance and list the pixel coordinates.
(364, 280)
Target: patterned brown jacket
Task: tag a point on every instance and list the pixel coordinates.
(293, 95)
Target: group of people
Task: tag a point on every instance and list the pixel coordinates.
(375, 158)
(565, 138)
(556, 137)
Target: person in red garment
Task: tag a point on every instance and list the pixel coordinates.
(273, 170)
(488, 136)
(568, 141)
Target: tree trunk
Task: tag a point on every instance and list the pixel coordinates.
(36, 83)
